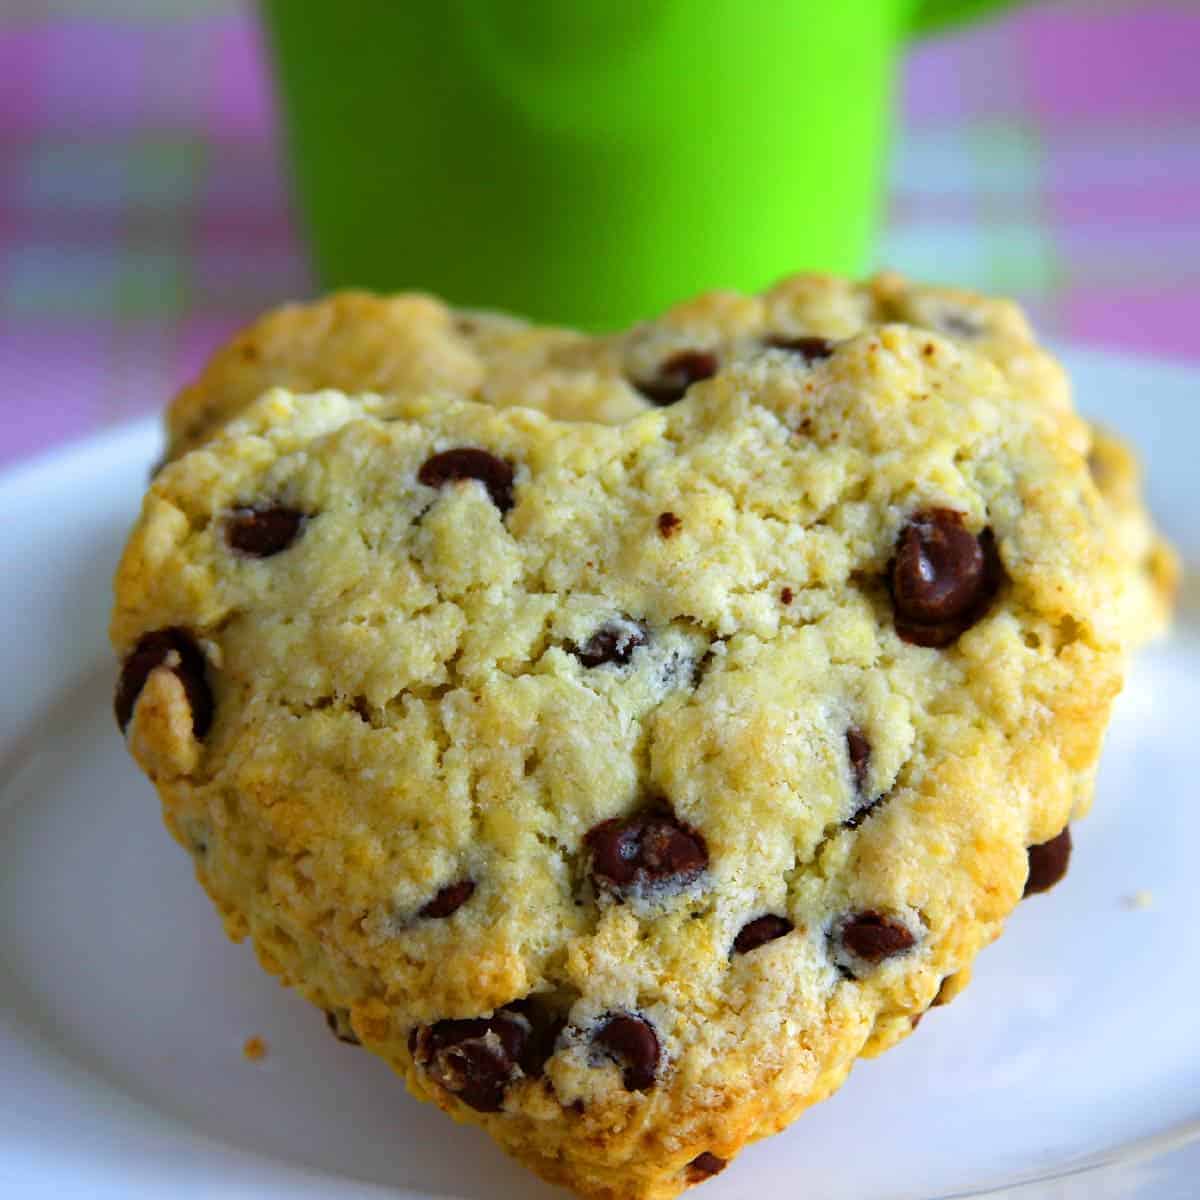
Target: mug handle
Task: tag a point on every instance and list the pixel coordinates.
(932, 16)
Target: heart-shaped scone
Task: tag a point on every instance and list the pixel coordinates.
(620, 784)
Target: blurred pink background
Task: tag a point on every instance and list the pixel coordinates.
(1053, 155)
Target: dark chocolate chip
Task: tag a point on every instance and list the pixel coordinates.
(469, 463)
(760, 931)
(872, 937)
(942, 578)
(542, 1042)
(786, 596)
(668, 524)
(676, 374)
(449, 899)
(811, 349)
(1048, 863)
(172, 648)
(705, 1166)
(475, 1071)
(338, 1021)
(859, 750)
(632, 1043)
(263, 532)
(938, 570)
(645, 850)
(611, 644)
(474, 1059)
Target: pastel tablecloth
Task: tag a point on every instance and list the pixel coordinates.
(1053, 155)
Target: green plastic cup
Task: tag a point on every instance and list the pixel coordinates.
(588, 162)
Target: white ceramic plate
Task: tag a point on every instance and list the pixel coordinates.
(1074, 1056)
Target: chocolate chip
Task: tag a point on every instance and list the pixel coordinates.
(760, 931)
(938, 570)
(474, 1059)
(676, 374)
(942, 578)
(915, 1020)
(632, 1043)
(544, 1029)
(872, 937)
(645, 850)
(172, 648)
(858, 750)
(475, 1071)
(705, 1166)
(1048, 863)
(468, 463)
(668, 524)
(611, 643)
(338, 1020)
(449, 899)
(786, 596)
(541, 1047)
(263, 532)
(811, 349)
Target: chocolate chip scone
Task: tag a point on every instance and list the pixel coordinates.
(621, 784)
(413, 345)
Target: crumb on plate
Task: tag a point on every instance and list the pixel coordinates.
(254, 1049)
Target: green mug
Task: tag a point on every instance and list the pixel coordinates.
(588, 162)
